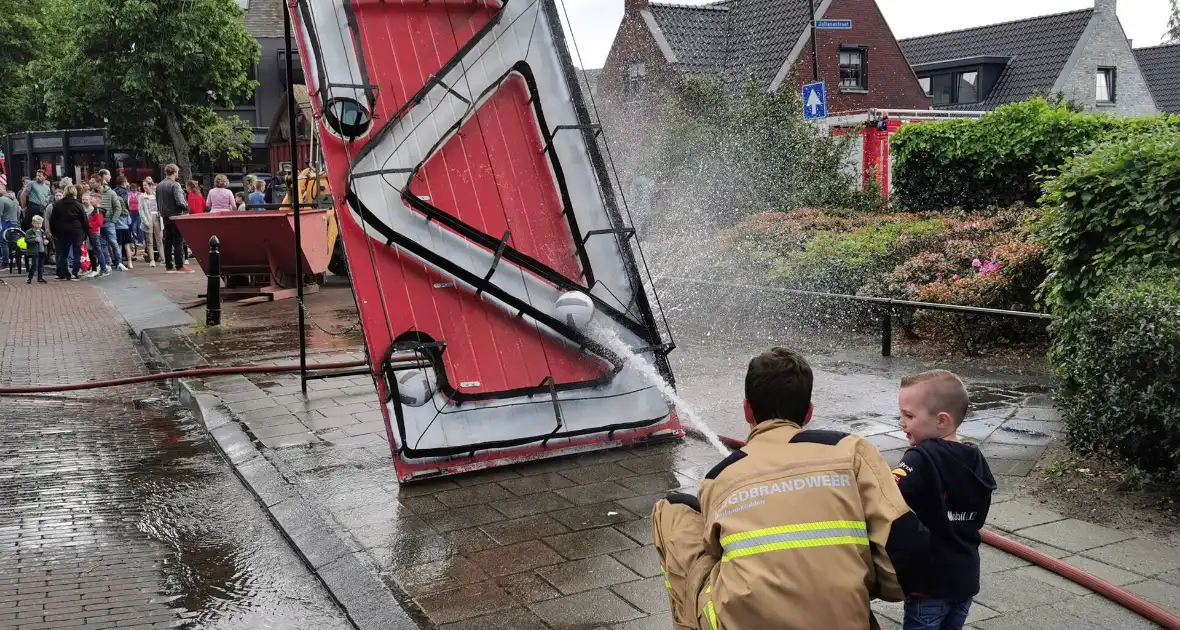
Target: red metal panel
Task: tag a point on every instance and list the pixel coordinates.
(251, 242)
(492, 175)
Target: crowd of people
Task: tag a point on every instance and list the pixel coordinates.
(92, 228)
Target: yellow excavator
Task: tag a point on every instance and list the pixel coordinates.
(314, 189)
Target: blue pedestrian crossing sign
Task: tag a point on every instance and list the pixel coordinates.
(815, 103)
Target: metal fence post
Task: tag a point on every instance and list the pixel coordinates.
(213, 287)
(887, 330)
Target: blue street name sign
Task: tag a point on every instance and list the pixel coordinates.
(834, 25)
(815, 103)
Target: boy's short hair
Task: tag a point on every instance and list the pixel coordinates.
(171, 169)
(37, 219)
(945, 391)
(778, 386)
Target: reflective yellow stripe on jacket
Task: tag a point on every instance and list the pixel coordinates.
(799, 536)
(710, 611)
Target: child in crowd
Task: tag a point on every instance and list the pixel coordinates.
(98, 254)
(196, 201)
(949, 486)
(35, 248)
(133, 208)
(124, 238)
(241, 201)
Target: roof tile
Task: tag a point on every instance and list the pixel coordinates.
(732, 37)
(1038, 47)
(1161, 68)
(264, 18)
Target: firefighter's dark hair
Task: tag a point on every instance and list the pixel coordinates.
(778, 386)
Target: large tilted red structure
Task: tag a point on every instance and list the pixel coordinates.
(474, 193)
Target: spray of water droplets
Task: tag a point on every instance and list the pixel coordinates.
(611, 340)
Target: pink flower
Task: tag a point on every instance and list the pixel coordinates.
(975, 263)
(911, 286)
(990, 267)
(938, 276)
(955, 277)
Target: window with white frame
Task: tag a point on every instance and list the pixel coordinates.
(854, 70)
(1105, 85)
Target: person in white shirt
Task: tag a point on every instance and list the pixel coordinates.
(153, 225)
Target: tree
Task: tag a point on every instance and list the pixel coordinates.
(728, 153)
(1173, 34)
(23, 34)
(152, 73)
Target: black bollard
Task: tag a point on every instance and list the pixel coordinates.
(213, 288)
(887, 330)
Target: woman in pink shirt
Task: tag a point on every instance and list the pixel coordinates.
(220, 197)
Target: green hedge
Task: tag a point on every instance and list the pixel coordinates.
(1114, 207)
(1118, 358)
(1113, 244)
(1001, 158)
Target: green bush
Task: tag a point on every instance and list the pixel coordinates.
(843, 262)
(1116, 206)
(1118, 359)
(1001, 158)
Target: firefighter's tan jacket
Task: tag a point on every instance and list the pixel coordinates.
(795, 533)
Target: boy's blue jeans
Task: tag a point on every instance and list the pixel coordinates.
(100, 250)
(136, 228)
(111, 236)
(935, 614)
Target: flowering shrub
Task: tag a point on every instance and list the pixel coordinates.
(985, 259)
(842, 263)
(1006, 279)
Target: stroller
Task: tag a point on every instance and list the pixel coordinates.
(14, 239)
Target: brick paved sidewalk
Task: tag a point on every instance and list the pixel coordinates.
(90, 483)
(565, 544)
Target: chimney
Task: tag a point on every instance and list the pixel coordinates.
(1108, 7)
(632, 7)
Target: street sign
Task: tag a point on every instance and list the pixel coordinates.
(815, 104)
(834, 25)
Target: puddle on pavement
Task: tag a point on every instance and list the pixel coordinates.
(226, 566)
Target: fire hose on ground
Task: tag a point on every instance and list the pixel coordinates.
(1116, 594)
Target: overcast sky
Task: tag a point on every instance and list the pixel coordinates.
(1145, 21)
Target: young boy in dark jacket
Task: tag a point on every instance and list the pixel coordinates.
(948, 485)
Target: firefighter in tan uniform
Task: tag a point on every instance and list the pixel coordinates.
(798, 530)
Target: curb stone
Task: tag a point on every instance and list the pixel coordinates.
(355, 588)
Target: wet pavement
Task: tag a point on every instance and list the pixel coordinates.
(115, 510)
(565, 544)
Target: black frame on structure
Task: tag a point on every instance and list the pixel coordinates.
(648, 329)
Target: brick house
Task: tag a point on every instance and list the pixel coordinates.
(863, 67)
(1083, 55)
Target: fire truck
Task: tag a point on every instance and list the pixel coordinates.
(870, 155)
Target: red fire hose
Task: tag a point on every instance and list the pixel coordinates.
(164, 376)
(1116, 594)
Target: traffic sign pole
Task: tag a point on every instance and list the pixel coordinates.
(814, 46)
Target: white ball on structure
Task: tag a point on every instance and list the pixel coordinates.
(575, 308)
(414, 388)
